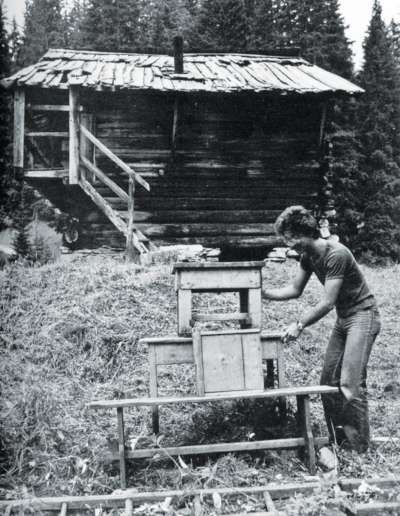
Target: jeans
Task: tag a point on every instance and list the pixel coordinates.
(345, 366)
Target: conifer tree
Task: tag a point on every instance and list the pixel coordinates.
(110, 26)
(379, 130)
(15, 45)
(44, 28)
(262, 22)
(5, 123)
(222, 25)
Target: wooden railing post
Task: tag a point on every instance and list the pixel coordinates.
(19, 127)
(73, 135)
(130, 248)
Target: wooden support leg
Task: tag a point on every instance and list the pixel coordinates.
(254, 307)
(121, 446)
(270, 374)
(154, 387)
(280, 364)
(184, 311)
(128, 507)
(244, 306)
(304, 421)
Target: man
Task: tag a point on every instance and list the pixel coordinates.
(355, 330)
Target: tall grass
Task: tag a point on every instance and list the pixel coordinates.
(70, 333)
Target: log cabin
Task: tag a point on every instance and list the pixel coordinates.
(147, 149)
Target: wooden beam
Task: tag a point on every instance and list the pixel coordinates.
(73, 135)
(105, 179)
(46, 174)
(115, 158)
(166, 400)
(277, 491)
(19, 127)
(53, 134)
(121, 446)
(103, 205)
(208, 449)
(50, 107)
(132, 242)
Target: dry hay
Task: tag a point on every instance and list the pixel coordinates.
(70, 334)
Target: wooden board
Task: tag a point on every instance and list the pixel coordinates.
(232, 362)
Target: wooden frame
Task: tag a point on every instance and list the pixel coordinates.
(74, 135)
(19, 128)
(219, 277)
(179, 350)
(302, 395)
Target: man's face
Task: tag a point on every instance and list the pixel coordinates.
(293, 241)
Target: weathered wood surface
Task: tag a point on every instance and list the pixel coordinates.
(46, 174)
(19, 128)
(216, 278)
(166, 400)
(209, 449)
(52, 134)
(105, 179)
(276, 490)
(74, 104)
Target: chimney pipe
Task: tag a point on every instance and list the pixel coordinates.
(178, 54)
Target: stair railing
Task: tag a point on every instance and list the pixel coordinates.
(134, 245)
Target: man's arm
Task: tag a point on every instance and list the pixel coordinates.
(295, 289)
(314, 314)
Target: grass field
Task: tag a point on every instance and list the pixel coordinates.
(70, 333)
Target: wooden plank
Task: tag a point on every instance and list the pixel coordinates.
(272, 393)
(277, 491)
(184, 311)
(175, 230)
(19, 128)
(179, 266)
(198, 360)
(269, 504)
(169, 354)
(49, 107)
(219, 279)
(46, 173)
(128, 507)
(303, 409)
(234, 316)
(208, 449)
(103, 205)
(130, 246)
(105, 179)
(121, 446)
(63, 511)
(153, 385)
(115, 158)
(351, 484)
(203, 216)
(52, 134)
(73, 135)
(255, 306)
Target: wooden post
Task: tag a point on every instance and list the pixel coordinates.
(131, 252)
(73, 135)
(121, 446)
(87, 149)
(154, 386)
(304, 421)
(19, 127)
(175, 126)
(184, 308)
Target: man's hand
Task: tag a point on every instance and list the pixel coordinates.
(291, 332)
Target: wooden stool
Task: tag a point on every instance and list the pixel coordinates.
(218, 277)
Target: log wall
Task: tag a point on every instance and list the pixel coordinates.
(235, 163)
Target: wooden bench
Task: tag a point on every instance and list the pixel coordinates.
(306, 438)
(172, 350)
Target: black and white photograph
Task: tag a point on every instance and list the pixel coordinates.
(199, 257)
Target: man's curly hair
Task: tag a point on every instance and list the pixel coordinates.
(298, 221)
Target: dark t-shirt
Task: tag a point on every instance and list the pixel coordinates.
(338, 262)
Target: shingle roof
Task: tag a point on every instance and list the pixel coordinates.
(60, 68)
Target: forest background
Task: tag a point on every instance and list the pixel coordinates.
(364, 134)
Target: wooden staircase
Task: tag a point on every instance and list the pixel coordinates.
(101, 187)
